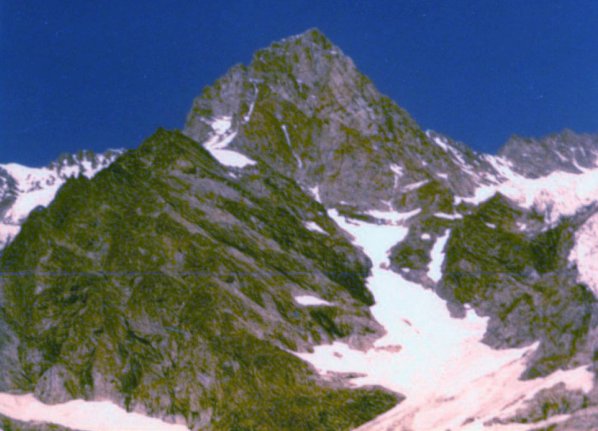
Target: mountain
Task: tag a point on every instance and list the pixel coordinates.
(22, 189)
(303, 256)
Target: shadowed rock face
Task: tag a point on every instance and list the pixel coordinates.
(167, 282)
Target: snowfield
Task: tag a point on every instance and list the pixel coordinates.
(585, 253)
(555, 195)
(81, 415)
(451, 380)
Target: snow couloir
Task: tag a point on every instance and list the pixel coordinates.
(450, 379)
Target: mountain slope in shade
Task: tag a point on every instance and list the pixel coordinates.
(306, 256)
(22, 189)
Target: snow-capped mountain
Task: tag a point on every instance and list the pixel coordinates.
(22, 188)
(304, 257)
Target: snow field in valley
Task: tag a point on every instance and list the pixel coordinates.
(81, 415)
(451, 380)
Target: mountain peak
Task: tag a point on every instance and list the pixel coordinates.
(303, 107)
(311, 36)
(307, 58)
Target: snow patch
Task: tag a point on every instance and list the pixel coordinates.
(309, 300)
(585, 253)
(223, 135)
(557, 194)
(448, 216)
(414, 186)
(437, 256)
(560, 156)
(393, 217)
(315, 191)
(221, 125)
(397, 173)
(288, 139)
(314, 227)
(81, 415)
(247, 116)
(441, 143)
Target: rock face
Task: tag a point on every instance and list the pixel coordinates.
(182, 280)
(303, 107)
(566, 151)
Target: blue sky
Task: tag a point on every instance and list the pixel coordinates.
(95, 75)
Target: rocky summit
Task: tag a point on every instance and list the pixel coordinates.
(302, 256)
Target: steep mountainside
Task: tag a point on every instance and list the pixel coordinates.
(22, 188)
(170, 285)
(302, 256)
(302, 107)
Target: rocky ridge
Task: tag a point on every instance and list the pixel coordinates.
(22, 189)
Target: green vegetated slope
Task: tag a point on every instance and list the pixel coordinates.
(522, 280)
(167, 283)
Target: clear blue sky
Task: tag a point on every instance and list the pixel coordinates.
(78, 74)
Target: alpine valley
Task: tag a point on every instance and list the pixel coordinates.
(302, 256)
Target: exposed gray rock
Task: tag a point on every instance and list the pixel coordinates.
(583, 420)
(565, 151)
(556, 400)
(341, 134)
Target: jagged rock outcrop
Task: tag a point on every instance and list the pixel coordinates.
(565, 151)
